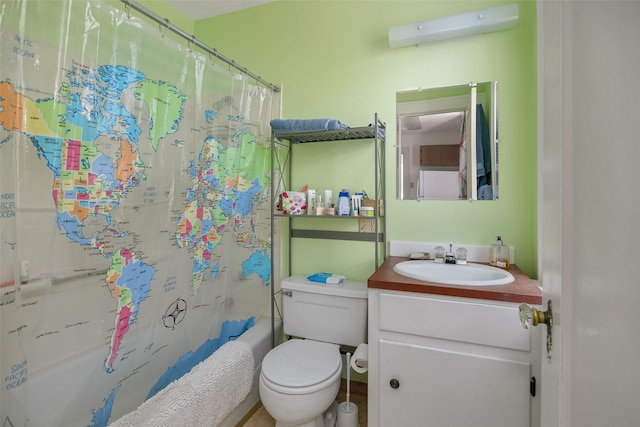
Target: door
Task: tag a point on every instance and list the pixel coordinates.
(589, 230)
(430, 386)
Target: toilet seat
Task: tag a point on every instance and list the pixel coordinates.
(301, 366)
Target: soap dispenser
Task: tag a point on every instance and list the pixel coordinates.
(493, 250)
(499, 254)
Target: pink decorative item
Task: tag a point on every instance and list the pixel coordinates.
(294, 203)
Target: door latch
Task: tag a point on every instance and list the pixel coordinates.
(532, 386)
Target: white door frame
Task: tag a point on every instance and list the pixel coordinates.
(554, 134)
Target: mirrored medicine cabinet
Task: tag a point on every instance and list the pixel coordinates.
(447, 143)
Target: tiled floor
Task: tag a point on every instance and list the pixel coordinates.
(261, 417)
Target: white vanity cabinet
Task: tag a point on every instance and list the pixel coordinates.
(439, 361)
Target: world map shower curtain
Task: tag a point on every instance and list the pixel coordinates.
(134, 210)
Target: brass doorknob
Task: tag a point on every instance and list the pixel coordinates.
(531, 316)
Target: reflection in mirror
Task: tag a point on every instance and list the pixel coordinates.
(439, 133)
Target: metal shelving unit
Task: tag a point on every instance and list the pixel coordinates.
(281, 172)
(281, 164)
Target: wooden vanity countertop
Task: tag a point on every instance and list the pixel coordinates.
(523, 289)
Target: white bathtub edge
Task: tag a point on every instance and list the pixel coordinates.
(259, 338)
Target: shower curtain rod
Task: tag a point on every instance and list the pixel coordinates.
(192, 39)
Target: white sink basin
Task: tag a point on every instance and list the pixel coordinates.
(454, 274)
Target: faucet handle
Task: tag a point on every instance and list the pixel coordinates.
(461, 255)
(438, 254)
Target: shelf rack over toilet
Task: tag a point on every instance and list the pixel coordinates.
(281, 179)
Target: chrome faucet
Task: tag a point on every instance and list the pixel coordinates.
(459, 257)
(450, 257)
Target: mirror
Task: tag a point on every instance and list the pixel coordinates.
(445, 137)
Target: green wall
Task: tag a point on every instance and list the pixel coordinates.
(167, 12)
(333, 60)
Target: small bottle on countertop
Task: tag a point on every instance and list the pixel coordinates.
(499, 254)
(493, 250)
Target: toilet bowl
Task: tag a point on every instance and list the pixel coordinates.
(300, 378)
(299, 381)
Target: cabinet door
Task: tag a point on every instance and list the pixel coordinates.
(438, 388)
(439, 155)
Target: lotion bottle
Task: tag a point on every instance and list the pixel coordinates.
(499, 254)
(344, 203)
(493, 250)
(311, 202)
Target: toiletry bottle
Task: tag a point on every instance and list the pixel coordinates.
(320, 208)
(493, 251)
(499, 254)
(344, 203)
(328, 198)
(358, 203)
(502, 257)
(311, 202)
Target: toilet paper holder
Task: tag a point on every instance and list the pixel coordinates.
(360, 359)
(364, 364)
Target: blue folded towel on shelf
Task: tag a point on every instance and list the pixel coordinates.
(381, 132)
(285, 126)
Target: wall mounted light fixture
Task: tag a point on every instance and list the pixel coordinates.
(453, 27)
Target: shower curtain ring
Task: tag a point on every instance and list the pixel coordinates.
(166, 27)
(127, 8)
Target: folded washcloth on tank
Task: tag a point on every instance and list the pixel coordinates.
(285, 126)
(328, 278)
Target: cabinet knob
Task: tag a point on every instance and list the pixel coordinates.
(394, 383)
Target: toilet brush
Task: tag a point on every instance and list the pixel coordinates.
(347, 411)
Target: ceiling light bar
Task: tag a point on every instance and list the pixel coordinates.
(453, 27)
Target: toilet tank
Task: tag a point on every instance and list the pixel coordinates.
(322, 312)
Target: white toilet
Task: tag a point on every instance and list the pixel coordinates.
(300, 378)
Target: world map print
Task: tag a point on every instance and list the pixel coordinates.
(134, 222)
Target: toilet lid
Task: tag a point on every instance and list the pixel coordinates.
(301, 363)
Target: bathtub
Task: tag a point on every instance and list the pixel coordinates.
(259, 338)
